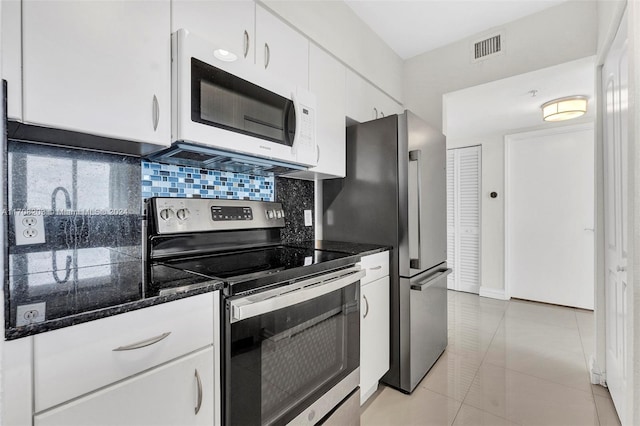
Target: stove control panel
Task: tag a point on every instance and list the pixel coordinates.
(177, 215)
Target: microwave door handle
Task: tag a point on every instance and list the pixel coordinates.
(242, 309)
(296, 112)
(416, 156)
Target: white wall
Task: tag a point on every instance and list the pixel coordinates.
(335, 27)
(531, 43)
(553, 36)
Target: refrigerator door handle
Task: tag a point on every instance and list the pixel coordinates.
(426, 284)
(416, 156)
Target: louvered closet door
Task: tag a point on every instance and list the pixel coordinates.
(463, 207)
(451, 219)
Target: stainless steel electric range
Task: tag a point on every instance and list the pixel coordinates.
(290, 315)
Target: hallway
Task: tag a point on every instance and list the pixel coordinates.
(507, 363)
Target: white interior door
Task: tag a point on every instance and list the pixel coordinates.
(615, 120)
(550, 216)
(463, 218)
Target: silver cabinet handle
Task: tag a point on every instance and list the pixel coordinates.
(366, 303)
(267, 55)
(199, 382)
(416, 156)
(246, 43)
(381, 114)
(375, 112)
(621, 268)
(143, 343)
(375, 268)
(156, 113)
(317, 154)
(424, 285)
(590, 229)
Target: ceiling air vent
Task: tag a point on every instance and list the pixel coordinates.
(486, 48)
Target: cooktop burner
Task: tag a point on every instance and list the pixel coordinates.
(235, 241)
(257, 268)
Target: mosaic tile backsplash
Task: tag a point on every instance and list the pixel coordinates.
(166, 180)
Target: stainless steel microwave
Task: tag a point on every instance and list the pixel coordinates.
(234, 107)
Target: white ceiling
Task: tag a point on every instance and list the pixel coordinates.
(506, 106)
(411, 27)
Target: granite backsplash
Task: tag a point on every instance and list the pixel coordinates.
(91, 204)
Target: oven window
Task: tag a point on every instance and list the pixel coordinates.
(282, 361)
(223, 100)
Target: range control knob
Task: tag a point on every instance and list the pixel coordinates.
(270, 214)
(183, 214)
(166, 214)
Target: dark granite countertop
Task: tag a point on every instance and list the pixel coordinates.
(355, 248)
(67, 287)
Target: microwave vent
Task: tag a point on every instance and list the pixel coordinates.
(191, 154)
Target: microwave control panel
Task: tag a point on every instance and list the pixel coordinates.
(307, 126)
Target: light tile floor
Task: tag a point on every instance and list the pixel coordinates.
(507, 363)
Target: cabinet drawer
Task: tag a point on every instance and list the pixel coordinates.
(376, 266)
(166, 395)
(75, 360)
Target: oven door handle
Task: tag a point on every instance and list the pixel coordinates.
(251, 306)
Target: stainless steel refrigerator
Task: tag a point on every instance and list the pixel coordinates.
(395, 194)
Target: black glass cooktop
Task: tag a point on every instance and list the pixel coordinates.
(254, 269)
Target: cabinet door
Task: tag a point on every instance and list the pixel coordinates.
(226, 24)
(360, 102)
(387, 106)
(281, 51)
(374, 335)
(98, 353)
(327, 83)
(167, 395)
(11, 48)
(99, 67)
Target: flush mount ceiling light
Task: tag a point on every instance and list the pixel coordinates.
(564, 108)
(225, 55)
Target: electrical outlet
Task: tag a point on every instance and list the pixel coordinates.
(29, 314)
(308, 218)
(29, 228)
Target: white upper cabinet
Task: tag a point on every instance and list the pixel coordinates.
(365, 102)
(99, 67)
(11, 47)
(227, 25)
(327, 81)
(281, 51)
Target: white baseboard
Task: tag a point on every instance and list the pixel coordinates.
(596, 374)
(493, 293)
(469, 288)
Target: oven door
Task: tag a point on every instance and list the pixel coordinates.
(292, 354)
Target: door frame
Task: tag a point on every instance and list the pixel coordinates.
(507, 226)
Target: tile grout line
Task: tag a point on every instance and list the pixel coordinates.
(480, 365)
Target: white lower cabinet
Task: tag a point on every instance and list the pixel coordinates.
(180, 392)
(154, 366)
(374, 326)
